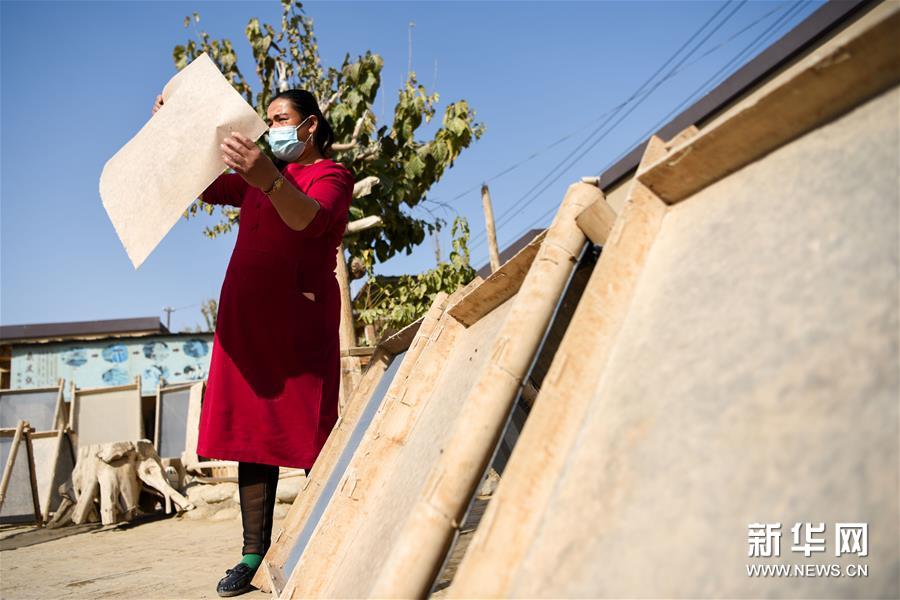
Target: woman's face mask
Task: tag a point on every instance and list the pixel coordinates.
(284, 143)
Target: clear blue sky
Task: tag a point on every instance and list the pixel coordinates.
(78, 80)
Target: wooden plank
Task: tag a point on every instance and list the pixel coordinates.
(829, 84)
(358, 351)
(596, 221)
(500, 285)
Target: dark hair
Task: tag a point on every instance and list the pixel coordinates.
(305, 104)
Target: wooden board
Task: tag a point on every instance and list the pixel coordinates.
(500, 285)
(732, 361)
(107, 414)
(385, 375)
(42, 408)
(435, 439)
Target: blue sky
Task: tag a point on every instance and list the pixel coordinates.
(79, 78)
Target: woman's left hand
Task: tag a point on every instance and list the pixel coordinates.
(245, 157)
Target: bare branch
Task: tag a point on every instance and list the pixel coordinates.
(363, 224)
(364, 186)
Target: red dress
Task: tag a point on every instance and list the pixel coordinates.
(272, 390)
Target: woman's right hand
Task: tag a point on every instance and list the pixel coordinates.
(157, 105)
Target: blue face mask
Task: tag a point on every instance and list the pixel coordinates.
(284, 143)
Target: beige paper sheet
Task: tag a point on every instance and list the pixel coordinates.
(150, 182)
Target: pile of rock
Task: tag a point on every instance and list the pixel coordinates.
(222, 501)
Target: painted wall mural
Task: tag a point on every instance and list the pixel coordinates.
(101, 363)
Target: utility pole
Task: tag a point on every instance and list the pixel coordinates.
(168, 310)
(489, 225)
(409, 63)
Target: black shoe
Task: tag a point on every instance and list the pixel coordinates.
(236, 581)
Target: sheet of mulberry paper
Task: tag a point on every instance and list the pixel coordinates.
(148, 184)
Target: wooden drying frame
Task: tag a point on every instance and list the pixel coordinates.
(270, 577)
(174, 387)
(820, 88)
(19, 436)
(59, 416)
(79, 393)
(531, 283)
(62, 437)
(425, 364)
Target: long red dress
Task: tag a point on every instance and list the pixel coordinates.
(272, 390)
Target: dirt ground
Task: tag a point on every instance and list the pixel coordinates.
(168, 558)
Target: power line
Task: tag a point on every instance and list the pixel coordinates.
(543, 149)
(514, 210)
(514, 166)
(713, 81)
(546, 148)
(749, 49)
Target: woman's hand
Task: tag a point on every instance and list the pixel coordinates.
(157, 105)
(242, 155)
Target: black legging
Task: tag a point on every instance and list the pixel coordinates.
(257, 484)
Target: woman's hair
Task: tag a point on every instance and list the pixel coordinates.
(305, 104)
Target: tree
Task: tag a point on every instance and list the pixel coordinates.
(405, 168)
(391, 303)
(210, 310)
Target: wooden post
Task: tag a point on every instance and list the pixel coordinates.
(489, 225)
(351, 368)
(437, 246)
(347, 331)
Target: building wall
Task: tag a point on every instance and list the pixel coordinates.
(113, 361)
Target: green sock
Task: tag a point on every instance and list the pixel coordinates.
(252, 560)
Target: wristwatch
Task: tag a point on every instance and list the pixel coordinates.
(276, 185)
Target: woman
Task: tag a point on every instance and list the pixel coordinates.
(272, 392)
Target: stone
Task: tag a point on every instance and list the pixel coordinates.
(226, 514)
(219, 492)
(288, 488)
